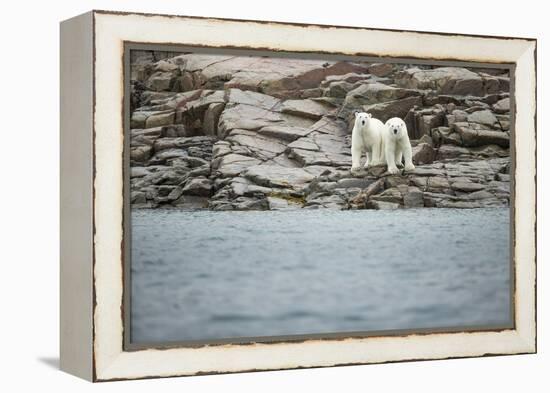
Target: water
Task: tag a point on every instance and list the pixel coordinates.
(209, 275)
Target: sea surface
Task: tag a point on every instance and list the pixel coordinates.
(203, 275)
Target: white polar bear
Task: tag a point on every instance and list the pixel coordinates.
(397, 145)
(367, 137)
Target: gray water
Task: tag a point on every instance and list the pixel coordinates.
(208, 275)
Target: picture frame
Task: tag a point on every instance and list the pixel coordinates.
(94, 299)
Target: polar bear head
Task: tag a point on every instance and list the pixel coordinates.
(362, 118)
(396, 127)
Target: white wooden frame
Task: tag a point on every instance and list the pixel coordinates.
(92, 323)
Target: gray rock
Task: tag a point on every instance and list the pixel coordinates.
(276, 203)
(466, 186)
(198, 186)
(211, 118)
(473, 135)
(160, 119)
(233, 164)
(423, 153)
(140, 153)
(397, 108)
(502, 106)
(353, 182)
(307, 108)
(160, 81)
(284, 133)
(277, 176)
(381, 205)
(138, 119)
(381, 69)
(413, 198)
(485, 117)
(444, 80)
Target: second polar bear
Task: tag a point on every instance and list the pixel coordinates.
(366, 137)
(397, 145)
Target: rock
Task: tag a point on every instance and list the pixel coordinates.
(485, 117)
(502, 106)
(262, 146)
(370, 94)
(360, 200)
(473, 135)
(380, 69)
(339, 89)
(191, 202)
(161, 119)
(199, 186)
(466, 186)
(423, 153)
(140, 153)
(276, 203)
(182, 142)
(137, 197)
(251, 133)
(397, 108)
(353, 183)
(173, 131)
(252, 98)
(244, 187)
(306, 108)
(413, 198)
(285, 133)
(381, 205)
(502, 177)
(200, 171)
(444, 135)
(389, 195)
(160, 81)
(211, 118)
(138, 119)
(444, 80)
(334, 202)
(233, 164)
(276, 176)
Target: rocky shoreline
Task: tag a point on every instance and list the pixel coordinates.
(257, 133)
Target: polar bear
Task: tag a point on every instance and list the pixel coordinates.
(397, 145)
(366, 137)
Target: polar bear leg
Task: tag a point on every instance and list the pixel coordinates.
(390, 157)
(367, 159)
(399, 157)
(407, 154)
(356, 152)
(376, 154)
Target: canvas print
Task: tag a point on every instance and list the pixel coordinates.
(279, 197)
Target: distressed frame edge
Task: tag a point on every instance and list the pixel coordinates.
(526, 340)
(76, 197)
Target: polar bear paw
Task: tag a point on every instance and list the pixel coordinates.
(409, 167)
(393, 170)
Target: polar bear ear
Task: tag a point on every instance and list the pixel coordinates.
(369, 115)
(355, 113)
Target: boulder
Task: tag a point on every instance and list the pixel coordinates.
(160, 119)
(306, 108)
(502, 106)
(277, 176)
(444, 80)
(472, 134)
(397, 108)
(423, 153)
(485, 117)
(198, 186)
